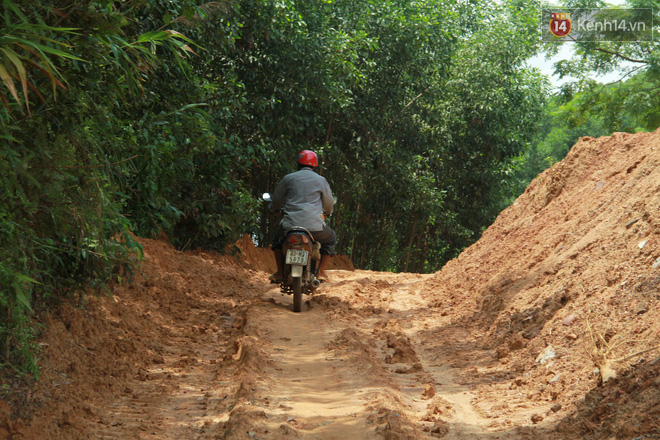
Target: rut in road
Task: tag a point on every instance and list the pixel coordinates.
(345, 369)
(356, 363)
(303, 388)
(171, 399)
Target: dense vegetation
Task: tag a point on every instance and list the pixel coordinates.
(158, 117)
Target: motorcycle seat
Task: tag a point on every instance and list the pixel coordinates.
(299, 230)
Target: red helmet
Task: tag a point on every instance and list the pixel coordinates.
(309, 158)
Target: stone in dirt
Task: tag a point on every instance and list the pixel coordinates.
(441, 428)
(429, 391)
(546, 355)
(536, 418)
(568, 320)
(642, 308)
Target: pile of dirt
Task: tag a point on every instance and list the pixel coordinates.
(563, 291)
(127, 346)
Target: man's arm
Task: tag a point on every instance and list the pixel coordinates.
(278, 196)
(326, 197)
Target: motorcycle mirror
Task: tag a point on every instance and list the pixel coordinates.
(266, 197)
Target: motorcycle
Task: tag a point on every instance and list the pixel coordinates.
(302, 256)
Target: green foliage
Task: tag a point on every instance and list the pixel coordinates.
(61, 226)
(25, 46)
(494, 107)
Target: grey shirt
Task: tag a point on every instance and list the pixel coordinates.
(303, 196)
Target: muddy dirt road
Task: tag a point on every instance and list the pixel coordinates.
(344, 368)
(202, 347)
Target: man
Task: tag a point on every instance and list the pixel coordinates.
(305, 199)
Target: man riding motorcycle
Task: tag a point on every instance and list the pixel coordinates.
(305, 199)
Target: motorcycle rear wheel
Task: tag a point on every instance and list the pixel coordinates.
(297, 294)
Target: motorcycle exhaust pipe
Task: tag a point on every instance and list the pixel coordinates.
(315, 283)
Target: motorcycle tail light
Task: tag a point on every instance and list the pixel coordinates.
(298, 239)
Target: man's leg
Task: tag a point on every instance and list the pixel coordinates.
(279, 260)
(328, 240)
(325, 259)
(279, 255)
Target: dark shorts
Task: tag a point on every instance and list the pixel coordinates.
(326, 237)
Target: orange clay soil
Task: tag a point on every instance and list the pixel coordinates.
(546, 328)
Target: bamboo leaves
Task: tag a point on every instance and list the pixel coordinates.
(18, 285)
(136, 60)
(31, 52)
(26, 51)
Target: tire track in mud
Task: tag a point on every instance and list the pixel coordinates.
(426, 390)
(288, 382)
(172, 399)
(346, 367)
(427, 375)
